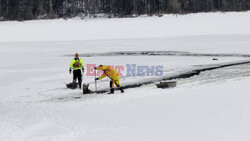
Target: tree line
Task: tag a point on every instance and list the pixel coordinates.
(48, 9)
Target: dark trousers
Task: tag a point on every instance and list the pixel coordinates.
(77, 74)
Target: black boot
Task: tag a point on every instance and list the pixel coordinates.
(111, 91)
(122, 91)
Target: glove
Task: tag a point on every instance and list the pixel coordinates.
(95, 68)
(69, 71)
(83, 70)
(96, 79)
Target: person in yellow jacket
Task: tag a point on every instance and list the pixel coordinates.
(76, 65)
(112, 74)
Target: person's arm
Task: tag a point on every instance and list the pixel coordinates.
(102, 76)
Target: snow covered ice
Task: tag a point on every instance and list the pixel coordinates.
(213, 106)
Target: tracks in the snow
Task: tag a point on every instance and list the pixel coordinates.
(190, 73)
(183, 75)
(160, 53)
(234, 69)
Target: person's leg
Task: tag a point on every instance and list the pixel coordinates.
(111, 87)
(119, 85)
(74, 75)
(79, 76)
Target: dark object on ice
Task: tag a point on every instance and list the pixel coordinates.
(111, 91)
(169, 84)
(72, 85)
(215, 59)
(122, 91)
(85, 89)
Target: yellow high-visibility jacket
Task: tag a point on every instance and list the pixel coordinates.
(76, 64)
(110, 72)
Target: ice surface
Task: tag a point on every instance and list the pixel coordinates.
(36, 106)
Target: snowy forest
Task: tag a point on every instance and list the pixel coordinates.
(49, 9)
